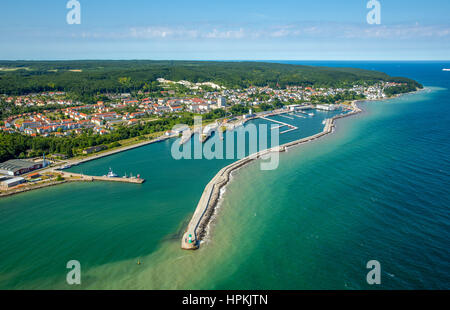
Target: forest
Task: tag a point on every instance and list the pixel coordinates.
(87, 78)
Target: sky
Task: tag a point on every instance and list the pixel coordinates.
(225, 30)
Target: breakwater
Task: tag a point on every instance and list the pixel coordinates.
(90, 178)
(196, 229)
(68, 178)
(31, 188)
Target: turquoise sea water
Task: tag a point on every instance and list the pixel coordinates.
(375, 189)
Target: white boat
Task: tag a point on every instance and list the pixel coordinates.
(445, 69)
(111, 174)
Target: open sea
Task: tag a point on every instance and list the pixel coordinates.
(376, 189)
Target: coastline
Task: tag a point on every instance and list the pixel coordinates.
(196, 229)
(198, 226)
(32, 188)
(156, 140)
(78, 161)
(24, 189)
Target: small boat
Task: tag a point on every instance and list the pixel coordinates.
(311, 114)
(111, 174)
(445, 69)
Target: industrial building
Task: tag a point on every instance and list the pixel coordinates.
(5, 185)
(16, 167)
(95, 149)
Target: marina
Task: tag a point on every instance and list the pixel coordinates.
(198, 224)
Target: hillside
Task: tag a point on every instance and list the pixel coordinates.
(93, 77)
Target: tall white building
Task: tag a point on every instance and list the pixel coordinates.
(221, 102)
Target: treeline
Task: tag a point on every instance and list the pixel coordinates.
(332, 99)
(100, 77)
(401, 89)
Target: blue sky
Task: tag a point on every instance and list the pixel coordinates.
(226, 30)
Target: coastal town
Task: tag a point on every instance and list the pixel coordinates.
(74, 118)
(71, 117)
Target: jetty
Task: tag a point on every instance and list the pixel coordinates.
(277, 127)
(197, 226)
(205, 208)
(281, 124)
(89, 178)
(296, 115)
(285, 116)
(68, 177)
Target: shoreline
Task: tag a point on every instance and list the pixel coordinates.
(17, 191)
(197, 228)
(161, 139)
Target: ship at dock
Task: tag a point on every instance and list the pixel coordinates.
(111, 174)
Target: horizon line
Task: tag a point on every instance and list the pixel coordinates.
(223, 60)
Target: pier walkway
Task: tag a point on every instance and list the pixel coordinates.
(291, 127)
(299, 116)
(285, 116)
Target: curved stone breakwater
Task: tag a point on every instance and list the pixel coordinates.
(197, 227)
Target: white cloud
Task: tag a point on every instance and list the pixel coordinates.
(414, 31)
